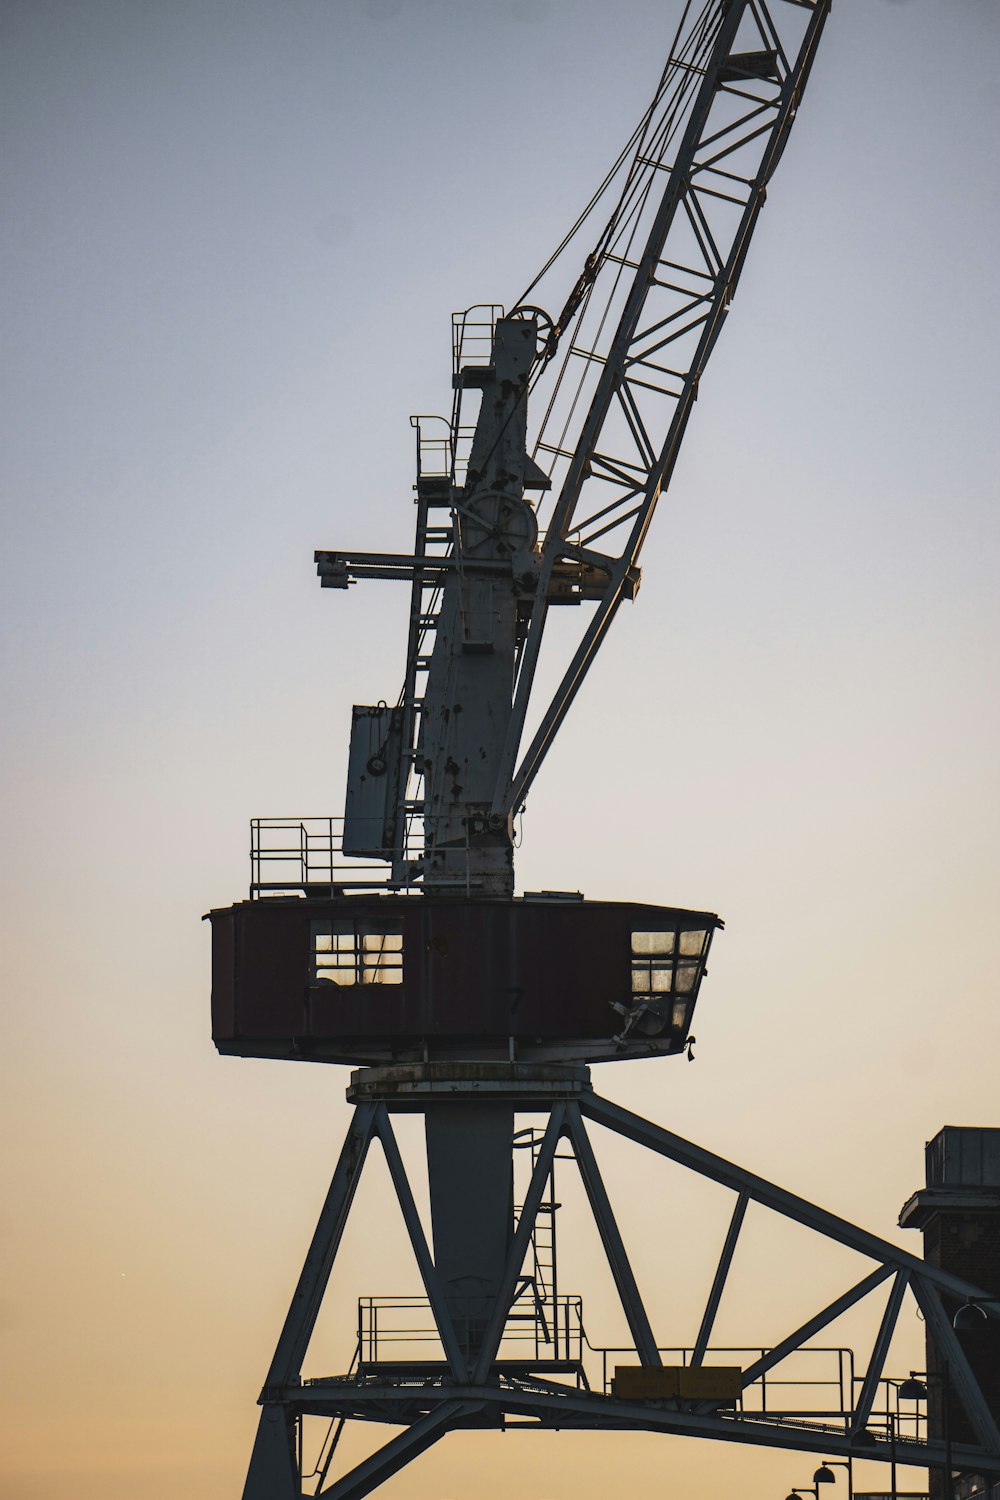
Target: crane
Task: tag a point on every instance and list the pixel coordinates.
(469, 1007)
(564, 523)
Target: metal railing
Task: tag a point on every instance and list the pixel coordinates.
(818, 1384)
(294, 856)
(816, 1389)
(304, 856)
(472, 345)
(472, 334)
(814, 1383)
(434, 446)
(391, 1329)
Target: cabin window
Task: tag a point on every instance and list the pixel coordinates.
(351, 952)
(381, 953)
(666, 963)
(335, 954)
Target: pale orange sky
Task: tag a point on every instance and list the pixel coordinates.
(234, 235)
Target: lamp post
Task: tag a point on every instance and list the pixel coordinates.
(915, 1389)
(824, 1474)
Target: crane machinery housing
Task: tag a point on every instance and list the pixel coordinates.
(490, 1006)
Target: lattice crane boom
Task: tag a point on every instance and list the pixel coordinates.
(681, 289)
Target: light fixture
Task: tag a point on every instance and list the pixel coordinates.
(969, 1317)
(912, 1389)
(824, 1475)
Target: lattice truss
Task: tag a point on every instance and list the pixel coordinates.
(641, 322)
(475, 1385)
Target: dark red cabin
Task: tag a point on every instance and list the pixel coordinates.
(375, 979)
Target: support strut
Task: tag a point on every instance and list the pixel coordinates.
(473, 1276)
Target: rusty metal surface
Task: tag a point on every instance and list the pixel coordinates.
(402, 1086)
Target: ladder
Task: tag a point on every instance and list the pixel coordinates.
(541, 1284)
(442, 457)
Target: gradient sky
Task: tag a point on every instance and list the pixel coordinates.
(233, 234)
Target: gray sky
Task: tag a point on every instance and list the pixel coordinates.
(233, 235)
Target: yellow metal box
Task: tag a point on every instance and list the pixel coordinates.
(646, 1382)
(721, 1384)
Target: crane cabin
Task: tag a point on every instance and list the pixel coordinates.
(388, 979)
